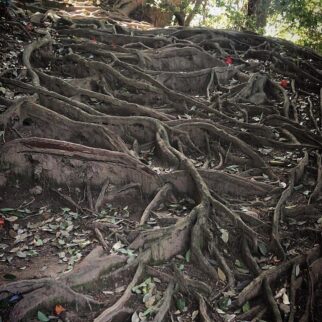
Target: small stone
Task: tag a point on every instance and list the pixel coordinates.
(37, 190)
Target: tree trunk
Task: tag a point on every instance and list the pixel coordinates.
(193, 12)
(258, 9)
(127, 6)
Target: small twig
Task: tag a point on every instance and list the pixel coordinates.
(69, 199)
(17, 132)
(208, 146)
(252, 313)
(306, 315)
(162, 193)
(259, 315)
(89, 196)
(26, 204)
(292, 295)
(295, 176)
(210, 82)
(254, 268)
(101, 196)
(221, 162)
(321, 108)
(227, 153)
(101, 238)
(223, 264)
(312, 117)
(254, 287)
(182, 283)
(318, 188)
(203, 309)
(165, 306)
(271, 301)
(122, 301)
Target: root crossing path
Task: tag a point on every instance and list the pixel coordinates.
(185, 162)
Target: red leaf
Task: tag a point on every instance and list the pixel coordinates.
(93, 40)
(284, 83)
(1, 222)
(58, 309)
(228, 60)
(29, 26)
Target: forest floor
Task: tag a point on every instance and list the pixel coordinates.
(156, 174)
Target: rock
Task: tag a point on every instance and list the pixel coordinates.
(37, 190)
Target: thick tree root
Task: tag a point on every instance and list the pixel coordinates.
(252, 290)
(295, 175)
(159, 114)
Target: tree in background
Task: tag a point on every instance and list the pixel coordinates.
(299, 19)
(257, 12)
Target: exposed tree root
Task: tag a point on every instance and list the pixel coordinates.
(295, 175)
(318, 188)
(155, 202)
(253, 288)
(165, 306)
(51, 290)
(118, 307)
(157, 119)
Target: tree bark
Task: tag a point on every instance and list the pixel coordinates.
(258, 9)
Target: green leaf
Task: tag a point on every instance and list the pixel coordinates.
(149, 311)
(7, 209)
(21, 254)
(246, 307)
(61, 242)
(180, 304)
(42, 317)
(39, 242)
(238, 263)
(262, 248)
(9, 277)
(188, 256)
(136, 289)
(224, 303)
